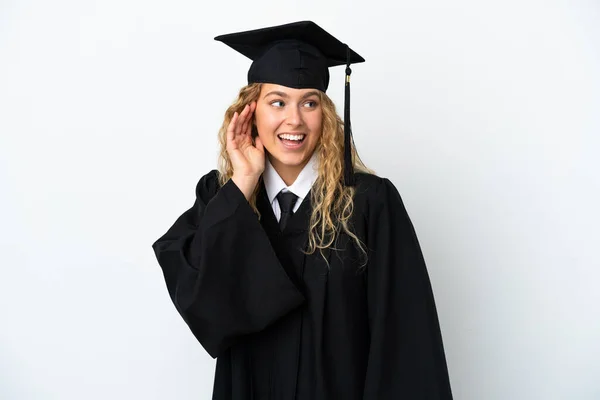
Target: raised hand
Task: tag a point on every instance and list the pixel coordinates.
(247, 159)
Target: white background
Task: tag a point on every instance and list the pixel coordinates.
(484, 115)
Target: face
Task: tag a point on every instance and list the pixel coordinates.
(289, 124)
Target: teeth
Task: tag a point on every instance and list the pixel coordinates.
(292, 137)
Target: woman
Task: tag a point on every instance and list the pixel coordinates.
(296, 267)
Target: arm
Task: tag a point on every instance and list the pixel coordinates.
(406, 354)
(220, 269)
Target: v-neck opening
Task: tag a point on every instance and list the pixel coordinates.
(293, 219)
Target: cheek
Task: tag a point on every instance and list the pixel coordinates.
(267, 122)
(316, 125)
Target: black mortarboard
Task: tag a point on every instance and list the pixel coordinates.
(298, 55)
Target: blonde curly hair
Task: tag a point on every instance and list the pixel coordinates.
(333, 203)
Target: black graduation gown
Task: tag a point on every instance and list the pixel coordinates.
(283, 325)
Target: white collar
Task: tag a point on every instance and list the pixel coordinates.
(301, 186)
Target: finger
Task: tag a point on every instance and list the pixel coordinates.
(247, 128)
(238, 122)
(244, 119)
(251, 118)
(231, 127)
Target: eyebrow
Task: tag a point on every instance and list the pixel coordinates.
(282, 94)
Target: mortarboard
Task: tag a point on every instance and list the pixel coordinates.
(298, 55)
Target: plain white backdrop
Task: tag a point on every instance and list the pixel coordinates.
(485, 115)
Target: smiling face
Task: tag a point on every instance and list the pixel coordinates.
(289, 123)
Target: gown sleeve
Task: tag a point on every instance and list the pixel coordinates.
(220, 269)
(406, 356)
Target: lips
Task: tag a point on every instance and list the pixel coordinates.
(292, 136)
(288, 143)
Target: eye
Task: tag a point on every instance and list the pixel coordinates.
(273, 103)
(314, 103)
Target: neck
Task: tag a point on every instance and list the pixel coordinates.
(288, 173)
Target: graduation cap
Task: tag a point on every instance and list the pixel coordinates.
(298, 55)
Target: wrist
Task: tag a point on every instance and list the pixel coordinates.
(246, 184)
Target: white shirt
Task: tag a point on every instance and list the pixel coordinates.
(301, 186)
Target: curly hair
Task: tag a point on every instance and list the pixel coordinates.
(332, 202)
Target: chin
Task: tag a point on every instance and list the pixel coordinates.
(291, 160)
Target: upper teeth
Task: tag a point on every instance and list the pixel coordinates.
(292, 137)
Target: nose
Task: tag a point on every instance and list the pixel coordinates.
(294, 116)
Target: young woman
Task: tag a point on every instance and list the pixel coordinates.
(297, 267)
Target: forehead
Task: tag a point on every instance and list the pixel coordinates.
(285, 91)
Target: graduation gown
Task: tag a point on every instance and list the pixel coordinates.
(284, 325)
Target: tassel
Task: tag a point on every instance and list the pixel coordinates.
(348, 165)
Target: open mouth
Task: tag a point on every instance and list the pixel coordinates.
(292, 140)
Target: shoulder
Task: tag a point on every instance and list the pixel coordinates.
(208, 185)
(373, 186)
(374, 192)
(366, 182)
